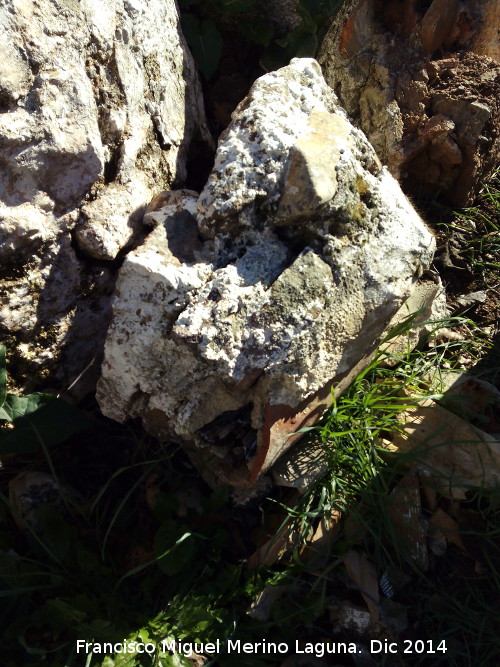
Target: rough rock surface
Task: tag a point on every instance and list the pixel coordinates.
(99, 104)
(54, 312)
(230, 342)
(420, 82)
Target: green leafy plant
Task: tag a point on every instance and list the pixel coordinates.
(202, 26)
(479, 229)
(205, 42)
(359, 482)
(304, 40)
(76, 578)
(202, 29)
(35, 418)
(76, 575)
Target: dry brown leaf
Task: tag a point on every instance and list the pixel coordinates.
(428, 489)
(458, 454)
(449, 527)
(388, 445)
(473, 399)
(364, 575)
(325, 534)
(271, 550)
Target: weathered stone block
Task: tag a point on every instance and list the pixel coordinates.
(309, 249)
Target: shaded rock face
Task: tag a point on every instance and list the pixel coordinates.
(240, 309)
(99, 104)
(420, 81)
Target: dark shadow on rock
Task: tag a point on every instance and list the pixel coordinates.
(70, 178)
(87, 304)
(198, 151)
(182, 238)
(73, 314)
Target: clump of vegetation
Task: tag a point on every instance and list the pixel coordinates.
(477, 230)
(35, 420)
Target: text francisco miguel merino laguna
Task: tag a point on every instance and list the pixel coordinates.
(188, 649)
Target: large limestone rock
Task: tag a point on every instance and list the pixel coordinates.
(229, 340)
(422, 82)
(99, 105)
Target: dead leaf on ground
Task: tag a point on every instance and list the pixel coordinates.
(324, 536)
(260, 609)
(271, 550)
(364, 575)
(459, 455)
(448, 527)
(428, 489)
(472, 398)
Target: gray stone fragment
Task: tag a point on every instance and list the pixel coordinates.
(305, 463)
(250, 165)
(471, 299)
(15, 74)
(425, 307)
